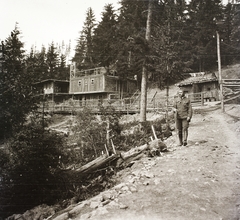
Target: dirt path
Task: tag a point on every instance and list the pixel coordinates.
(200, 181)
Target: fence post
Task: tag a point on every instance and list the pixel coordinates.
(202, 99)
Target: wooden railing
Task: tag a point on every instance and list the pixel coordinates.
(128, 105)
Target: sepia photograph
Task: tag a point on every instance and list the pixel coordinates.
(120, 110)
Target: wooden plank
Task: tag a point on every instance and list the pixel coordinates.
(232, 98)
(154, 133)
(96, 164)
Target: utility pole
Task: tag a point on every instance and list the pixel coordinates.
(143, 104)
(220, 72)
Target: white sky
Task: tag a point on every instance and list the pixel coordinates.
(44, 21)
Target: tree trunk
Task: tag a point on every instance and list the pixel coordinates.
(143, 105)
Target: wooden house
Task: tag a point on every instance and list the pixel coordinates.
(55, 91)
(99, 84)
(201, 83)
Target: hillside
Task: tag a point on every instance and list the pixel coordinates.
(200, 181)
(231, 72)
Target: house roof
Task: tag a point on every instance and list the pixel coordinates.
(198, 78)
(51, 80)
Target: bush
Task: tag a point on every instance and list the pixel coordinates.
(90, 132)
(29, 167)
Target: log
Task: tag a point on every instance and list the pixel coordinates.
(98, 163)
(137, 152)
(125, 157)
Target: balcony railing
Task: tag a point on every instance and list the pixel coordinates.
(127, 105)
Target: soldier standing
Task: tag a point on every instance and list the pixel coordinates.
(183, 114)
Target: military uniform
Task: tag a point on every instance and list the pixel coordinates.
(183, 115)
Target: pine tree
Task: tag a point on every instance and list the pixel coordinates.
(52, 62)
(16, 100)
(104, 38)
(234, 47)
(170, 43)
(84, 49)
(41, 69)
(203, 17)
(131, 46)
(63, 70)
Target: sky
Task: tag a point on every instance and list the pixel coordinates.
(42, 22)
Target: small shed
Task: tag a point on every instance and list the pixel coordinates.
(53, 90)
(201, 82)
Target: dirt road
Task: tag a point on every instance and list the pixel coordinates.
(200, 181)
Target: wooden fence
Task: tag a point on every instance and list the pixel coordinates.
(127, 105)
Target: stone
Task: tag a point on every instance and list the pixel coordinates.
(146, 183)
(85, 216)
(149, 175)
(105, 202)
(113, 203)
(122, 206)
(94, 205)
(100, 211)
(136, 173)
(16, 217)
(107, 196)
(63, 216)
(132, 189)
(119, 186)
(125, 188)
(157, 181)
(77, 210)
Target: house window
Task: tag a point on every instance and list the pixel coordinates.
(92, 81)
(79, 83)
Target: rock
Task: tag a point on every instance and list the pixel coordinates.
(107, 196)
(76, 210)
(122, 206)
(157, 181)
(158, 144)
(106, 202)
(149, 175)
(16, 217)
(133, 189)
(125, 188)
(85, 216)
(119, 186)
(113, 203)
(99, 211)
(63, 216)
(145, 183)
(136, 173)
(29, 214)
(94, 205)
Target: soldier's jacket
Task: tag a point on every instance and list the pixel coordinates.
(184, 107)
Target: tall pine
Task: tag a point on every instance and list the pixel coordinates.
(203, 16)
(52, 62)
(104, 39)
(16, 99)
(84, 49)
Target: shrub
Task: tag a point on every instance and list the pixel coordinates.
(90, 131)
(29, 165)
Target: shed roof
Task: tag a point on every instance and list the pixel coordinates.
(51, 80)
(198, 78)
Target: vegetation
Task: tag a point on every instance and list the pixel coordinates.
(16, 100)
(29, 169)
(182, 39)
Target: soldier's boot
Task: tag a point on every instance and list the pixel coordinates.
(180, 137)
(185, 136)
